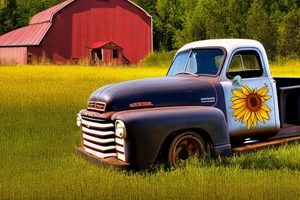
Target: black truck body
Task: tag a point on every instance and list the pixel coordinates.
(217, 93)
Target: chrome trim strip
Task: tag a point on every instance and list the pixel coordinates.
(98, 133)
(121, 156)
(96, 125)
(120, 141)
(101, 141)
(98, 147)
(98, 154)
(120, 149)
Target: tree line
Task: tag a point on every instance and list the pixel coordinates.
(275, 23)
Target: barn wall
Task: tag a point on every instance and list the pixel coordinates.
(79, 25)
(13, 55)
(57, 44)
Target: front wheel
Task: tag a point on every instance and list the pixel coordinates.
(185, 146)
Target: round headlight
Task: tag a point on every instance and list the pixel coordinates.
(120, 129)
(79, 120)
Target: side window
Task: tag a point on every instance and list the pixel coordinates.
(247, 64)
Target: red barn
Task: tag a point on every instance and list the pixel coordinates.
(103, 31)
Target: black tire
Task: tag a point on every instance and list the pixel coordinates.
(185, 146)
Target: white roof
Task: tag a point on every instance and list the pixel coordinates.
(229, 44)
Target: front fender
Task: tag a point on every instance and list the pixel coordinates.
(147, 129)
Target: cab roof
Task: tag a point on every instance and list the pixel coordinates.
(229, 44)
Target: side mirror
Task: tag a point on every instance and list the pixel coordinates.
(236, 81)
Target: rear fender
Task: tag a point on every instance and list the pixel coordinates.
(147, 129)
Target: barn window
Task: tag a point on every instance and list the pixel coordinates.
(115, 53)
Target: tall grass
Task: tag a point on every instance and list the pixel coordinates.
(290, 68)
(158, 59)
(38, 107)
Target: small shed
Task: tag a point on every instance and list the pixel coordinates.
(103, 31)
(108, 53)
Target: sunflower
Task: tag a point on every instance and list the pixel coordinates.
(249, 105)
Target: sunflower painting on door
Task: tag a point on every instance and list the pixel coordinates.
(249, 105)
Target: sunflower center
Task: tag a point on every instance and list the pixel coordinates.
(253, 102)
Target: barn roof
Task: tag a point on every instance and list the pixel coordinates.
(33, 34)
(47, 15)
(26, 36)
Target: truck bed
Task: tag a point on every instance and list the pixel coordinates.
(288, 93)
(287, 81)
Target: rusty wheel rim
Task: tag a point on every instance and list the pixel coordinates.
(186, 148)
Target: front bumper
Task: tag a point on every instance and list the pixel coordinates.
(103, 162)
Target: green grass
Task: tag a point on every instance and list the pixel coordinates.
(38, 132)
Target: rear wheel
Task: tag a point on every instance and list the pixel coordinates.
(185, 146)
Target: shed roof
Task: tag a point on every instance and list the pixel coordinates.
(102, 44)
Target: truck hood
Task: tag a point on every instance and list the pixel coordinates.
(156, 92)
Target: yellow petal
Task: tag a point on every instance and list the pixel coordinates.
(251, 120)
(234, 98)
(264, 114)
(249, 123)
(254, 121)
(239, 94)
(266, 97)
(262, 91)
(259, 117)
(241, 114)
(246, 90)
(252, 116)
(239, 101)
(236, 106)
(265, 108)
(246, 116)
(254, 90)
(236, 112)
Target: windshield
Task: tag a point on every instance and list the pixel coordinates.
(198, 62)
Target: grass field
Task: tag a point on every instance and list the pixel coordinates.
(38, 107)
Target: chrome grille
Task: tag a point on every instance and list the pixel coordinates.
(99, 139)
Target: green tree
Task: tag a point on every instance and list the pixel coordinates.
(169, 18)
(261, 28)
(147, 5)
(237, 18)
(8, 17)
(193, 25)
(289, 35)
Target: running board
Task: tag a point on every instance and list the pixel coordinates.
(265, 144)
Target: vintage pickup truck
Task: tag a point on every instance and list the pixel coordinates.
(217, 95)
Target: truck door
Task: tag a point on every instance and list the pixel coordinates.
(250, 104)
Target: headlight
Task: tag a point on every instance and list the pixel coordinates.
(120, 129)
(79, 118)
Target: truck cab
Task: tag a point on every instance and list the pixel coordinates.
(216, 94)
(242, 69)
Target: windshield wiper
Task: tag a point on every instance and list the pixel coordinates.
(190, 73)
